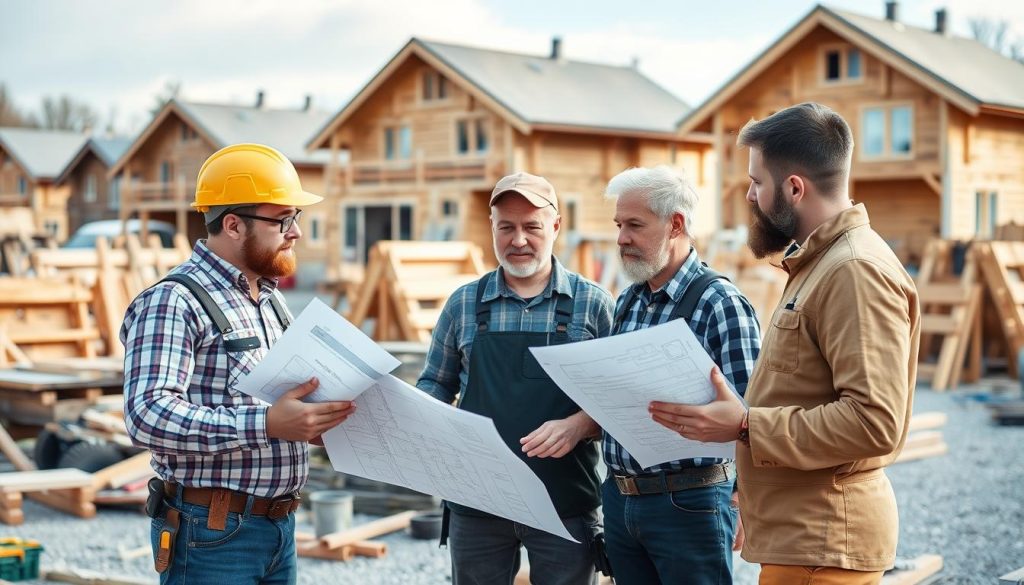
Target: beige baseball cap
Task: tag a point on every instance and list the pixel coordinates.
(536, 190)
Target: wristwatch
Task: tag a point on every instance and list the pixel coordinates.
(744, 435)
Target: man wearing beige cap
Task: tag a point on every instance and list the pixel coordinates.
(480, 353)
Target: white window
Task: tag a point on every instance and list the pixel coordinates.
(397, 142)
(89, 193)
(114, 194)
(986, 213)
(887, 132)
(841, 64)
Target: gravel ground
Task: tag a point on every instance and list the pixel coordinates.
(966, 506)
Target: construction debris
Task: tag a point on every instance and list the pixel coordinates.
(914, 571)
(923, 440)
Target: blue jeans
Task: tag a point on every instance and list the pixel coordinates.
(678, 537)
(250, 550)
(485, 551)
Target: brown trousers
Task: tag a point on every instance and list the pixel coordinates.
(800, 575)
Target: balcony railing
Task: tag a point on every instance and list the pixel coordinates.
(416, 171)
(14, 200)
(158, 195)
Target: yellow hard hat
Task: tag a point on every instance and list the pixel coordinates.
(249, 174)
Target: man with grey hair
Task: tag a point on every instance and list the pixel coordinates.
(480, 352)
(673, 522)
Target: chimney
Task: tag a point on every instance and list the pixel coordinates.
(259, 98)
(892, 10)
(635, 64)
(308, 103)
(556, 48)
(940, 21)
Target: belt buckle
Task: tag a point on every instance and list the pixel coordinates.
(279, 508)
(626, 485)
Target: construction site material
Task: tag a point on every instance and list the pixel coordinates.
(927, 420)
(34, 396)
(950, 317)
(69, 490)
(1008, 413)
(332, 511)
(426, 525)
(923, 438)
(19, 559)
(87, 577)
(1013, 578)
(47, 317)
(310, 546)
(913, 572)
(367, 531)
(1002, 267)
(407, 284)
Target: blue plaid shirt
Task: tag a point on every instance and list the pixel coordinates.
(723, 321)
(179, 384)
(446, 372)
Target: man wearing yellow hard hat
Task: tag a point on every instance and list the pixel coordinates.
(229, 466)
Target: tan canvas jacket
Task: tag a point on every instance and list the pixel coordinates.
(830, 399)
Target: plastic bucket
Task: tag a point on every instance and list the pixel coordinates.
(332, 511)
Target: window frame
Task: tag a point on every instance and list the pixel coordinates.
(887, 154)
(844, 50)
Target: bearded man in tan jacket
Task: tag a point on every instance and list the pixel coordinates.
(830, 396)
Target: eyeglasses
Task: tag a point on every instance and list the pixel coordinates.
(285, 223)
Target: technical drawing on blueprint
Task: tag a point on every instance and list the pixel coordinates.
(615, 378)
(401, 436)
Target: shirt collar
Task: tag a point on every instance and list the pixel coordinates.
(226, 273)
(822, 237)
(559, 283)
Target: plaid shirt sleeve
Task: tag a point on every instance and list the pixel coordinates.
(733, 338)
(160, 333)
(440, 377)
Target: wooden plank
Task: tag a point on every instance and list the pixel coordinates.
(14, 453)
(89, 577)
(924, 566)
(927, 420)
(25, 481)
(77, 502)
(919, 439)
(123, 472)
(370, 530)
(922, 452)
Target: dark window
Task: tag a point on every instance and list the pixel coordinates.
(442, 87)
(314, 229)
(351, 227)
(389, 143)
(428, 85)
(22, 185)
(405, 222)
(450, 208)
(462, 136)
(832, 65)
(481, 136)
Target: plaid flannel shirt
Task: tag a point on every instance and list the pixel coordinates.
(446, 371)
(724, 322)
(179, 384)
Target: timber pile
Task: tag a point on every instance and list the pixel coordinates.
(951, 323)
(17, 240)
(924, 439)
(407, 284)
(1002, 266)
(346, 544)
(47, 317)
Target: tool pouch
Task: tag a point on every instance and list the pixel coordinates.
(155, 500)
(165, 542)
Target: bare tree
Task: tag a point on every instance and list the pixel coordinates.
(9, 113)
(170, 91)
(64, 113)
(997, 36)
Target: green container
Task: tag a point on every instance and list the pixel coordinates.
(19, 559)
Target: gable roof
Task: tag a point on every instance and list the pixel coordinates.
(964, 71)
(538, 92)
(224, 124)
(108, 150)
(42, 154)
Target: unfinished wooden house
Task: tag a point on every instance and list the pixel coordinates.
(938, 122)
(93, 195)
(164, 160)
(433, 131)
(31, 161)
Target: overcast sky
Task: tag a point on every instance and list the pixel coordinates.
(117, 55)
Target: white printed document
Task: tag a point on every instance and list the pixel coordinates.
(614, 379)
(400, 435)
(320, 343)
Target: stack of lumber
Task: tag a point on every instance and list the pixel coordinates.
(924, 439)
(1002, 267)
(343, 545)
(34, 396)
(407, 284)
(116, 275)
(950, 318)
(47, 317)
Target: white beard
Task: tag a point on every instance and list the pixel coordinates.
(638, 271)
(523, 269)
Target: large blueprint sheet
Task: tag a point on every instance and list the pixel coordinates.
(614, 379)
(319, 343)
(401, 436)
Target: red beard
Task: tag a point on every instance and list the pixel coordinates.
(267, 262)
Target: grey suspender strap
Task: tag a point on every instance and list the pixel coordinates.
(280, 311)
(220, 321)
